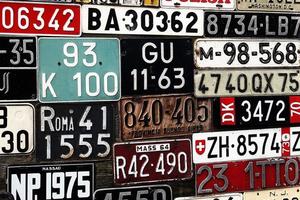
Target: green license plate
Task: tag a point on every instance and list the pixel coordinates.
(79, 69)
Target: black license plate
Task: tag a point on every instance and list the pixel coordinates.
(156, 66)
(149, 192)
(18, 84)
(17, 52)
(247, 24)
(75, 131)
(256, 112)
(60, 182)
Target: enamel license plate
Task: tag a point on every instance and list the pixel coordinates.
(141, 21)
(217, 53)
(287, 193)
(211, 147)
(250, 82)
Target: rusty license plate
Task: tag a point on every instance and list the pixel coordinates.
(152, 161)
(247, 175)
(163, 116)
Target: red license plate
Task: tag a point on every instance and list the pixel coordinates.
(137, 162)
(39, 18)
(247, 175)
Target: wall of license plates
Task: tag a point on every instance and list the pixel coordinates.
(150, 100)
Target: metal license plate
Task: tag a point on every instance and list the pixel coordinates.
(149, 192)
(156, 66)
(276, 194)
(238, 82)
(163, 116)
(79, 69)
(75, 131)
(255, 24)
(18, 52)
(57, 181)
(141, 21)
(202, 4)
(152, 161)
(212, 147)
(232, 196)
(16, 128)
(269, 5)
(256, 112)
(29, 18)
(233, 53)
(18, 85)
(247, 175)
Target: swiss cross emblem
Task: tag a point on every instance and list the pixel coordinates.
(200, 146)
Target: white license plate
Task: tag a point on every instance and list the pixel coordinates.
(210, 147)
(229, 196)
(16, 128)
(99, 19)
(246, 53)
(203, 4)
(238, 82)
(275, 194)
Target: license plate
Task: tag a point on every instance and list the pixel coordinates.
(149, 192)
(79, 69)
(156, 66)
(238, 82)
(232, 196)
(131, 2)
(256, 112)
(18, 85)
(141, 21)
(277, 194)
(239, 145)
(233, 53)
(28, 18)
(153, 161)
(163, 116)
(247, 175)
(16, 128)
(202, 4)
(18, 52)
(57, 181)
(269, 5)
(75, 131)
(247, 24)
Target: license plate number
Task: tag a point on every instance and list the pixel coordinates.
(139, 162)
(40, 18)
(149, 192)
(163, 116)
(156, 66)
(75, 131)
(254, 112)
(16, 128)
(247, 24)
(141, 21)
(238, 82)
(226, 146)
(82, 69)
(60, 181)
(18, 52)
(246, 53)
(247, 175)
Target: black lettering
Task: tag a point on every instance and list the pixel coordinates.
(94, 19)
(257, 88)
(226, 146)
(210, 155)
(112, 21)
(268, 81)
(297, 141)
(207, 55)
